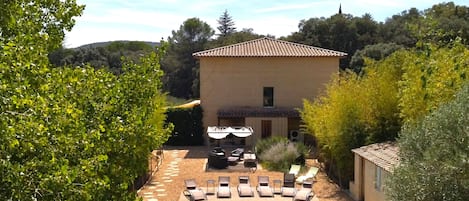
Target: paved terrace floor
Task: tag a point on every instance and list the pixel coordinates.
(180, 163)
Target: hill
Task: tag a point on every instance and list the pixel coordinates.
(107, 43)
(107, 55)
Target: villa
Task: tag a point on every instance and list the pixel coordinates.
(261, 84)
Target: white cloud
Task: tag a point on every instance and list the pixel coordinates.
(291, 6)
(106, 20)
(273, 25)
(135, 17)
(87, 34)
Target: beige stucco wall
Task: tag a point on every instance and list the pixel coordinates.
(356, 185)
(369, 192)
(239, 81)
(279, 127)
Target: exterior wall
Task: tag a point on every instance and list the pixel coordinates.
(279, 128)
(370, 193)
(366, 191)
(239, 81)
(356, 186)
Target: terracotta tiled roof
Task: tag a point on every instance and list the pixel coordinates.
(268, 47)
(383, 155)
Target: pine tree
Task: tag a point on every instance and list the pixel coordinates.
(226, 24)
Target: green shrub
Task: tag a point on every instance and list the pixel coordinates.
(432, 76)
(277, 153)
(434, 156)
(188, 128)
(354, 111)
(264, 144)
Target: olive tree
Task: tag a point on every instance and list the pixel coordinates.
(434, 156)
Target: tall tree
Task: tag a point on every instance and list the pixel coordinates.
(444, 23)
(44, 19)
(432, 76)
(376, 52)
(182, 70)
(108, 56)
(236, 37)
(70, 133)
(434, 155)
(397, 29)
(341, 32)
(354, 111)
(226, 24)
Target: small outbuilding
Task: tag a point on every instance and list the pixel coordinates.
(373, 163)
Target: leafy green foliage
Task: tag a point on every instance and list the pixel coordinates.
(359, 110)
(46, 20)
(78, 133)
(377, 52)
(434, 155)
(71, 133)
(233, 38)
(277, 153)
(188, 127)
(263, 144)
(341, 32)
(441, 24)
(182, 72)
(398, 28)
(354, 111)
(107, 56)
(432, 76)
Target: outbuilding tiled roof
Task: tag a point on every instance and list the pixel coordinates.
(269, 47)
(383, 154)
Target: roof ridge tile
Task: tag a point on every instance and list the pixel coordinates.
(268, 47)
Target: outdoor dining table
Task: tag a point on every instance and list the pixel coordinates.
(250, 160)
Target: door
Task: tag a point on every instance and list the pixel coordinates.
(266, 127)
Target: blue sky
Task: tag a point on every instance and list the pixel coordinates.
(152, 20)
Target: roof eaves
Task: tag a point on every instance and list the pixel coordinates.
(304, 53)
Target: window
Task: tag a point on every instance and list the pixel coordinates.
(378, 178)
(268, 96)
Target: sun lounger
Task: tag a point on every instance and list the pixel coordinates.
(194, 192)
(224, 187)
(263, 187)
(294, 169)
(288, 188)
(305, 193)
(244, 187)
(309, 175)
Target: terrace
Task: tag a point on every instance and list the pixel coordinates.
(181, 163)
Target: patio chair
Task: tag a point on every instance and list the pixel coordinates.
(309, 175)
(244, 187)
(238, 152)
(224, 190)
(294, 169)
(263, 187)
(305, 193)
(288, 188)
(194, 192)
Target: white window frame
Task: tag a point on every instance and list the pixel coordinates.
(378, 178)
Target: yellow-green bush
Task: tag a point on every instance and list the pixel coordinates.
(355, 110)
(432, 77)
(359, 110)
